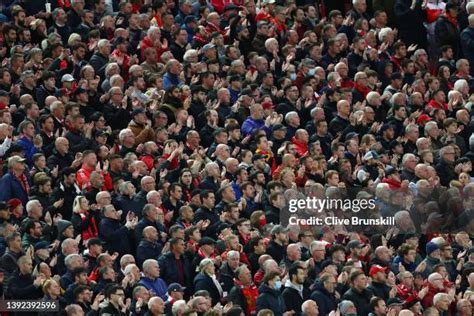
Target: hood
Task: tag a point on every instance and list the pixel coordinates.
(62, 225)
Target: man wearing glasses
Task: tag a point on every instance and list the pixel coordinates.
(116, 303)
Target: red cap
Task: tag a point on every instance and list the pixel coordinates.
(423, 118)
(376, 268)
(13, 203)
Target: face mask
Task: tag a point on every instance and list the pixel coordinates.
(263, 222)
(278, 285)
(311, 72)
(293, 76)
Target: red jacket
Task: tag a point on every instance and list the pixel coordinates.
(83, 176)
(147, 43)
(301, 148)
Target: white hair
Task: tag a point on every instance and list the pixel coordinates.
(438, 297)
(384, 32)
(460, 83)
(290, 115)
(371, 96)
(469, 7)
(146, 265)
(189, 54)
(124, 133)
(380, 189)
(30, 205)
(152, 30)
(178, 306)
(129, 268)
(102, 43)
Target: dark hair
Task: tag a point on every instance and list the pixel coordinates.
(270, 276)
(112, 289)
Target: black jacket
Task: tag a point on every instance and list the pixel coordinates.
(169, 271)
(117, 118)
(56, 159)
(360, 299)
(202, 281)
(21, 286)
(326, 301)
(293, 298)
(446, 33)
(380, 290)
(270, 299)
(99, 62)
(115, 235)
(276, 251)
(147, 250)
(77, 141)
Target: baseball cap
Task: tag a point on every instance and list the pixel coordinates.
(278, 229)
(268, 1)
(94, 241)
(262, 23)
(99, 133)
(390, 170)
(67, 78)
(376, 269)
(207, 241)
(278, 127)
(41, 245)
(351, 135)
(355, 244)
(15, 159)
(137, 111)
(423, 118)
(207, 47)
(371, 154)
(175, 287)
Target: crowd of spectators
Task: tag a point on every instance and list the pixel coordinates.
(149, 150)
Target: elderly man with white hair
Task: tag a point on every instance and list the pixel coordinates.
(310, 308)
(151, 279)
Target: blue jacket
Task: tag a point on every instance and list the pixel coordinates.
(158, 286)
(12, 188)
(29, 149)
(171, 80)
(250, 126)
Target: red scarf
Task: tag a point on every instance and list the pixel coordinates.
(245, 238)
(250, 293)
(204, 256)
(91, 230)
(24, 183)
(452, 20)
(361, 89)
